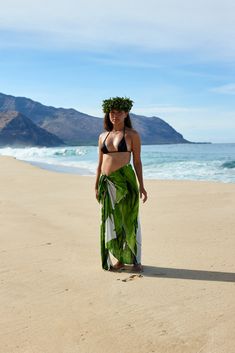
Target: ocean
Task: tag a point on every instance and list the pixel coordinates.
(209, 162)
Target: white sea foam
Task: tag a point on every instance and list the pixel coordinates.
(215, 162)
(68, 158)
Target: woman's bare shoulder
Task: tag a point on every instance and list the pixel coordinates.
(132, 131)
(102, 135)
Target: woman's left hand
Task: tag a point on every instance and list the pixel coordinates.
(144, 192)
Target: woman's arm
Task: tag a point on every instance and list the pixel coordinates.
(98, 170)
(136, 149)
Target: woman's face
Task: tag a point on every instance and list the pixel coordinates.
(117, 116)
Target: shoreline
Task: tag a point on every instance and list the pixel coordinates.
(79, 171)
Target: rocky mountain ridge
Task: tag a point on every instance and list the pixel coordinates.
(76, 128)
(19, 131)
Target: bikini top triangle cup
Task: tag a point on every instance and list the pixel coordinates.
(122, 147)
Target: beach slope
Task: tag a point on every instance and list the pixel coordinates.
(55, 297)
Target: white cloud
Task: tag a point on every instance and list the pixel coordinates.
(206, 27)
(224, 89)
(212, 124)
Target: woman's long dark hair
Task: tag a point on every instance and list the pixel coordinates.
(109, 126)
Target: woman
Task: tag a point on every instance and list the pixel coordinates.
(116, 187)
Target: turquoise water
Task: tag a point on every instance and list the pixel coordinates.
(214, 162)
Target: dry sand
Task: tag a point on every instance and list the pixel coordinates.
(55, 297)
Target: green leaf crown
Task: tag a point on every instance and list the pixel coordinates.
(117, 103)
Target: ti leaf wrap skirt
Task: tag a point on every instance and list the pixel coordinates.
(120, 230)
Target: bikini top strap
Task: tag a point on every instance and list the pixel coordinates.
(106, 136)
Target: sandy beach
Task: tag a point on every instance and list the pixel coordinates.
(55, 297)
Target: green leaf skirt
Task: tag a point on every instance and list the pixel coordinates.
(120, 231)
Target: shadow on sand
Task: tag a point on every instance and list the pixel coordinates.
(181, 273)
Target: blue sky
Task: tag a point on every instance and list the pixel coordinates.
(174, 58)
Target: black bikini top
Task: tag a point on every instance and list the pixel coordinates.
(122, 147)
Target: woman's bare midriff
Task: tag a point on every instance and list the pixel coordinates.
(113, 161)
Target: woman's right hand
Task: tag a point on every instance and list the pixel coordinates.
(144, 192)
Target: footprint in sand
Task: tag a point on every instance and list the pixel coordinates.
(130, 278)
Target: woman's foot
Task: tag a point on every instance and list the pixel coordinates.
(137, 268)
(118, 266)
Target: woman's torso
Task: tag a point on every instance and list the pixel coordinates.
(115, 160)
